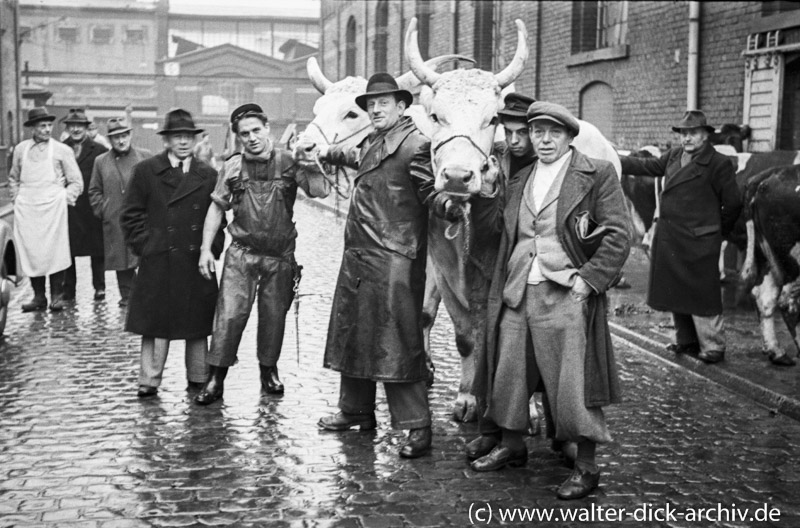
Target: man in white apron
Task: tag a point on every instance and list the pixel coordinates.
(44, 179)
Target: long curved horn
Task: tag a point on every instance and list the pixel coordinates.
(409, 81)
(514, 68)
(424, 73)
(318, 79)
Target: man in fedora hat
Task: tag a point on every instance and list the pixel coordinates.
(44, 179)
(699, 205)
(546, 314)
(110, 177)
(260, 185)
(162, 219)
(85, 230)
(375, 330)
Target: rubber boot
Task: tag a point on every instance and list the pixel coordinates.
(212, 391)
(270, 382)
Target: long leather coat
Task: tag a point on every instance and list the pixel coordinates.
(375, 329)
(110, 179)
(589, 186)
(85, 229)
(163, 223)
(699, 205)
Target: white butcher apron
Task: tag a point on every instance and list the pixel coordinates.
(40, 217)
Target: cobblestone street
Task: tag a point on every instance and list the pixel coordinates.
(78, 449)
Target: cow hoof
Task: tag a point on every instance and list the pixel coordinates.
(465, 408)
(782, 360)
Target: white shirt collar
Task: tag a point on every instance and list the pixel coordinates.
(173, 161)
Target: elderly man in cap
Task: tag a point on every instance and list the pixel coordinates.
(85, 230)
(44, 179)
(162, 219)
(699, 206)
(110, 177)
(375, 330)
(564, 238)
(260, 185)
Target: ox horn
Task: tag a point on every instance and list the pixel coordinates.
(318, 79)
(514, 69)
(423, 72)
(409, 81)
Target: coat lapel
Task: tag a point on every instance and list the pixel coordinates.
(515, 191)
(576, 185)
(694, 169)
(190, 182)
(381, 147)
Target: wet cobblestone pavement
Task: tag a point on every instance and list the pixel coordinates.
(78, 449)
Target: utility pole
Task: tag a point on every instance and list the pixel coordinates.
(9, 82)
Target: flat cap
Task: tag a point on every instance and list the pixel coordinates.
(555, 113)
(516, 106)
(247, 110)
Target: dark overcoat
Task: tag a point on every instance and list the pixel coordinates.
(590, 186)
(110, 179)
(163, 220)
(85, 229)
(375, 329)
(699, 205)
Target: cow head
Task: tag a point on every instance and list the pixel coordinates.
(337, 117)
(463, 105)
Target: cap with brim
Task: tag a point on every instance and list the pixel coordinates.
(693, 119)
(516, 106)
(76, 116)
(179, 121)
(247, 110)
(37, 115)
(554, 112)
(383, 84)
(116, 126)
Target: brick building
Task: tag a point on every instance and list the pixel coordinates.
(631, 68)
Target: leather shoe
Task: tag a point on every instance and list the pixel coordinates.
(712, 356)
(270, 382)
(212, 391)
(38, 304)
(56, 305)
(146, 392)
(481, 446)
(500, 457)
(579, 484)
(418, 443)
(343, 421)
(99, 295)
(687, 348)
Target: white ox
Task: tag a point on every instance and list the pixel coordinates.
(463, 105)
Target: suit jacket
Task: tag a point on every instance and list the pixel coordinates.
(590, 187)
(699, 205)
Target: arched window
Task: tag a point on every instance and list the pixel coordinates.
(789, 133)
(597, 107)
(350, 48)
(381, 35)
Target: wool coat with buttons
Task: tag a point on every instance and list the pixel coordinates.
(162, 220)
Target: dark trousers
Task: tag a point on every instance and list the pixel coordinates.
(125, 281)
(408, 402)
(98, 276)
(56, 285)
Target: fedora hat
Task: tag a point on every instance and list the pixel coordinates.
(117, 125)
(38, 114)
(76, 116)
(555, 113)
(179, 120)
(693, 119)
(383, 84)
(516, 106)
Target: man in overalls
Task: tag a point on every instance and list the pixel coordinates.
(44, 179)
(260, 185)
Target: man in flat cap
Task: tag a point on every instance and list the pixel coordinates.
(564, 239)
(110, 177)
(85, 230)
(162, 219)
(517, 151)
(375, 330)
(44, 179)
(260, 185)
(699, 206)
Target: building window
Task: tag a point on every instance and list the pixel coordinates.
(597, 107)
(102, 34)
(350, 48)
(423, 14)
(25, 34)
(215, 105)
(221, 98)
(484, 35)
(68, 34)
(778, 7)
(598, 25)
(381, 35)
(134, 35)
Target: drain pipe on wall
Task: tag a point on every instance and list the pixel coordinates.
(693, 76)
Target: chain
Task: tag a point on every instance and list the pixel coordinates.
(463, 220)
(296, 290)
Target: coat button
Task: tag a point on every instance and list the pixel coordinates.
(195, 227)
(195, 206)
(193, 248)
(170, 228)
